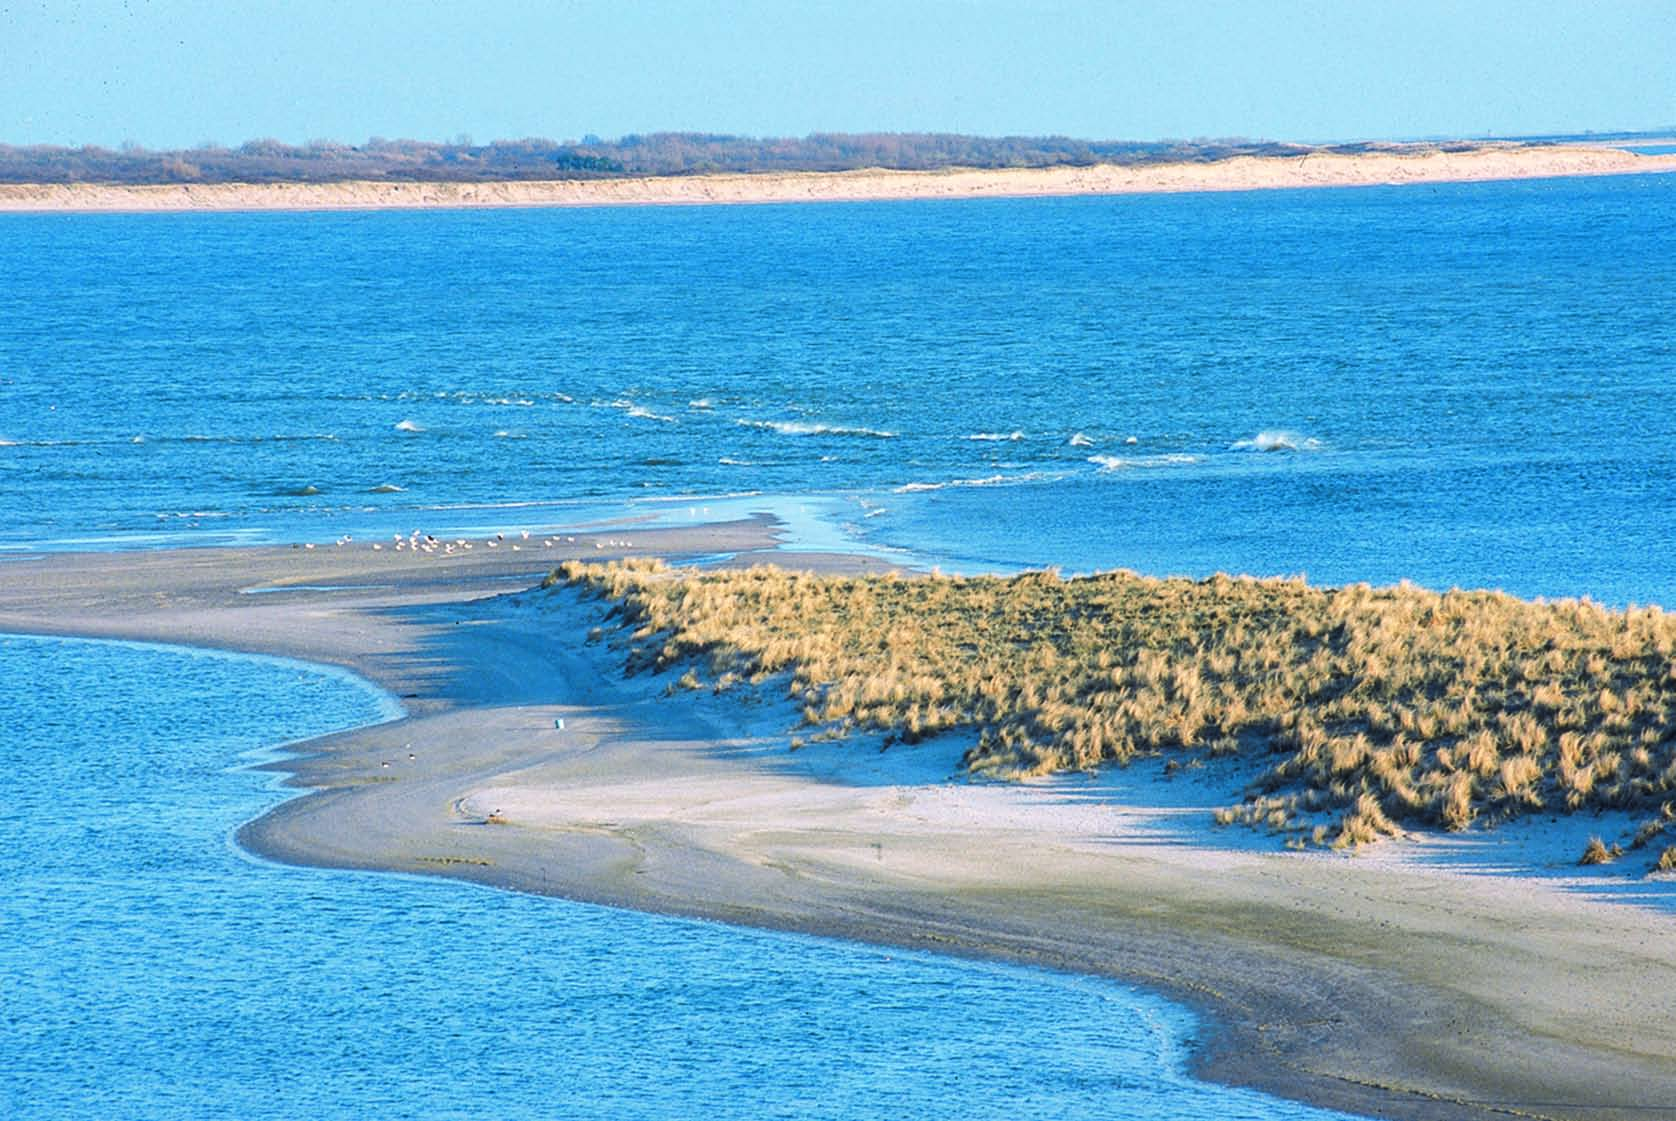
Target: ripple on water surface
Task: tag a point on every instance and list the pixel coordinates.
(152, 970)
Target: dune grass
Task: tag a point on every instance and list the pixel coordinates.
(1376, 708)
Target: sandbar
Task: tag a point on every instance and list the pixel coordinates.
(1381, 986)
(1243, 173)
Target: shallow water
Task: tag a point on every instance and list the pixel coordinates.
(150, 969)
(1459, 384)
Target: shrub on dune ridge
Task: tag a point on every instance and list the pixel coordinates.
(1386, 706)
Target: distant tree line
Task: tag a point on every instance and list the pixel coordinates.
(661, 153)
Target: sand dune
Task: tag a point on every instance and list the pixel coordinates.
(1240, 174)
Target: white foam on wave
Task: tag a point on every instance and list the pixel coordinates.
(996, 437)
(1078, 440)
(729, 461)
(803, 428)
(1125, 462)
(644, 413)
(701, 403)
(409, 426)
(1277, 440)
(985, 481)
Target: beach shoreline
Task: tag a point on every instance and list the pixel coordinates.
(1243, 173)
(1359, 985)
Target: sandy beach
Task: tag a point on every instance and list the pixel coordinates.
(1317, 169)
(1406, 983)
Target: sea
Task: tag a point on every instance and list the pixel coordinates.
(1460, 385)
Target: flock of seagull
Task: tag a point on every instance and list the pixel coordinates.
(417, 542)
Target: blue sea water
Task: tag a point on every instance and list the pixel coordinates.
(149, 969)
(1458, 384)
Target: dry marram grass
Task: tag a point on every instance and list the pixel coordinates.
(1386, 706)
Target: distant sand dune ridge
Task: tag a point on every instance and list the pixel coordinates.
(1242, 173)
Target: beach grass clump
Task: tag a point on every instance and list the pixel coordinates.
(1383, 708)
(1596, 852)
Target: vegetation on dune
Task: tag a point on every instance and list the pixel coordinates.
(1376, 708)
(663, 153)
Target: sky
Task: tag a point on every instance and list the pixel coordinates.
(177, 73)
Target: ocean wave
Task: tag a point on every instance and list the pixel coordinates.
(409, 426)
(803, 428)
(192, 438)
(701, 403)
(729, 461)
(1078, 440)
(985, 481)
(386, 488)
(1122, 463)
(470, 397)
(644, 413)
(996, 437)
(211, 438)
(1276, 440)
(10, 443)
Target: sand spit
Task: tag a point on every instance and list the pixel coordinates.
(1244, 173)
(1382, 986)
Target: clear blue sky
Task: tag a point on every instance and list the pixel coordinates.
(178, 72)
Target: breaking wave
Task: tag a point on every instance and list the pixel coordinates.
(985, 481)
(802, 428)
(1276, 440)
(1125, 462)
(409, 426)
(996, 437)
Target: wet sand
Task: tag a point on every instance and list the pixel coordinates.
(1242, 173)
(1371, 985)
